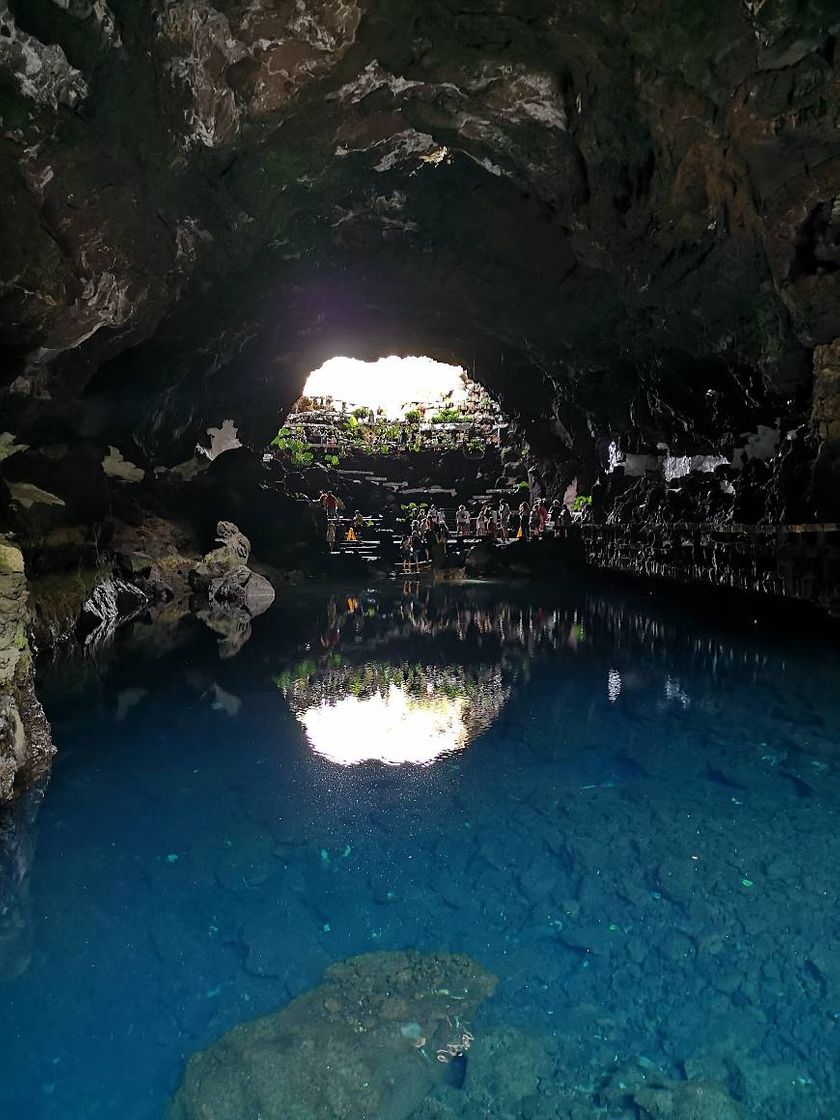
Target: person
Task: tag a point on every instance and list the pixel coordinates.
(535, 524)
(462, 521)
(524, 520)
(566, 518)
(416, 548)
(504, 519)
(405, 549)
(330, 505)
(437, 549)
(481, 524)
(554, 516)
(359, 524)
(543, 513)
(490, 521)
(330, 535)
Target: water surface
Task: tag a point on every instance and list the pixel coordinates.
(628, 813)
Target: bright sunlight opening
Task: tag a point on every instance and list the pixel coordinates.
(392, 384)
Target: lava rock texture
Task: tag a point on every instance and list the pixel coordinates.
(627, 218)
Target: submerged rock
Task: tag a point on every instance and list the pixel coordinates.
(687, 1100)
(370, 1041)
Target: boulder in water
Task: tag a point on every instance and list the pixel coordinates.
(371, 1040)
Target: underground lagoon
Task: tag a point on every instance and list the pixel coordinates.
(419, 560)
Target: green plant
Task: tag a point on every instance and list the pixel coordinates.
(448, 415)
(523, 486)
(332, 460)
(297, 450)
(581, 501)
(412, 416)
(360, 413)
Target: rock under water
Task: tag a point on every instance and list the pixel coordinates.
(370, 1041)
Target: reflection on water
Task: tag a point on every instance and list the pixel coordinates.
(395, 713)
(359, 700)
(640, 840)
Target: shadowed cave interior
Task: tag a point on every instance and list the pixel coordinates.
(393, 810)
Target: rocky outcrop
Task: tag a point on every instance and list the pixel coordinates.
(235, 593)
(371, 1040)
(825, 417)
(26, 746)
(625, 217)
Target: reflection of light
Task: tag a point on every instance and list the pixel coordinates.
(389, 383)
(390, 727)
(613, 685)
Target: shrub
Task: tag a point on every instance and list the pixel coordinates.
(448, 415)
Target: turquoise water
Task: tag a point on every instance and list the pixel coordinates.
(624, 810)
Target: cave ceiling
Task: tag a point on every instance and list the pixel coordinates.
(625, 217)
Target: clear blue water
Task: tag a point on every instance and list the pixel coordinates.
(632, 821)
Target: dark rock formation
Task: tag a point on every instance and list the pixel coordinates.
(626, 218)
(235, 594)
(25, 743)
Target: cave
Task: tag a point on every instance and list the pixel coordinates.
(492, 732)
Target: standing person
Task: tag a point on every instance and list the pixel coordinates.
(490, 518)
(566, 519)
(481, 524)
(543, 513)
(331, 505)
(416, 548)
(405, 549)
(504, 519)
(554, 515)
(330, 535)
(359, 524)
(462, 521)
(535, 524)
(524, 519)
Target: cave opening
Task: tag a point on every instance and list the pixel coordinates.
(392, 440)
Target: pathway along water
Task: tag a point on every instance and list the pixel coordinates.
(631, 819)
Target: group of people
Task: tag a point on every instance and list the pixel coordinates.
(352, 531)
(425, 540)
(535, 519)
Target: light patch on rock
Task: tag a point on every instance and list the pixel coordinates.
(187, 470)
(406, 145)
(41, 71)
(116, 466)
(289, 48)
(519, 95)
(222, 439)
(27, 494)
(761, 444)
(372, 78)
(8, 447)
